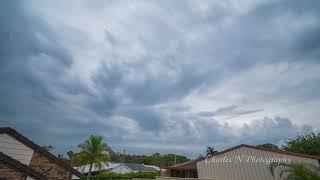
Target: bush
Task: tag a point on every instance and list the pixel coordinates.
(296, 171)
(308, 144)
(113, 176)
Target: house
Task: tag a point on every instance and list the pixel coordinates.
(246, 162)
(20, 158)
(120, 168)
(242, 162)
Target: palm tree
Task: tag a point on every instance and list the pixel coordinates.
(210, 150)
(296, 171)
(93, 152)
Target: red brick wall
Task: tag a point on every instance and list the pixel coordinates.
(49, 168)
(10, 174)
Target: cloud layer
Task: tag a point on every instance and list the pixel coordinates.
(160, 76)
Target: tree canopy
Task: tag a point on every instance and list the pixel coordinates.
(47, 147)
(155, 159)
(93, 151)
(210, 150)
(268, 146)
(308, 144)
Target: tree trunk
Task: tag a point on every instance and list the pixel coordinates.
(89, 173)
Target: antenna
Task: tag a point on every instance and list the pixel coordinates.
(123, 156)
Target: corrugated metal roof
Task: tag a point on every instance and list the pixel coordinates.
(192, 165)
(105, 166)
(139, 167)
(112, 165)
(268, 150)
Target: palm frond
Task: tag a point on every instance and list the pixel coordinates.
(297, 171)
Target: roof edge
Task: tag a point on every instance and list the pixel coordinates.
(15, 164)
(12, 132)
(268, 150)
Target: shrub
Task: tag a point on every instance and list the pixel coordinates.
(113, 176)
(296, 171)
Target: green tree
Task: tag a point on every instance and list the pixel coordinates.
(47, 147)
(296, 171)
(210, 150)
(70, 154)
(61, 156)
(93, 152)
(155, 159)
(308, 144)
(268, 146)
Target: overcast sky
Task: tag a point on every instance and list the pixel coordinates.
(160, 76)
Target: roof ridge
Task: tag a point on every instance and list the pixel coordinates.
(269, 150)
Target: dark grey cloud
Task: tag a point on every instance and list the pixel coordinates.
(272, 130)
(304, 40)
(153, 88)
(219, 111)
(23, 50)
(148, 119)
(231, 111)
(146, 72)
(204, 133)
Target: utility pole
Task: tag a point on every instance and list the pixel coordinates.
(124, 156)
(175, 159)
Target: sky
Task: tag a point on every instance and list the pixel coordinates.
(160, 76)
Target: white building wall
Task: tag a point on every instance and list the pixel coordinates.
(122, 169)
(15, 149)
(243, 170)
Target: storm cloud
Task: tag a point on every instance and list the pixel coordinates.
(169, 76)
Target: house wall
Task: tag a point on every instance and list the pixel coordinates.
(15, 149)
(49, 168)
(121, 169)
(10, 174)
(243, 170)
(165, 173)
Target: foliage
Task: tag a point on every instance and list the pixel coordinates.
(70, 154)
(210, 150)
(268, 146)
(155, 159)
(109, 176)
(92, 151)
(309, 144)
(47, 147)
(296, 171)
